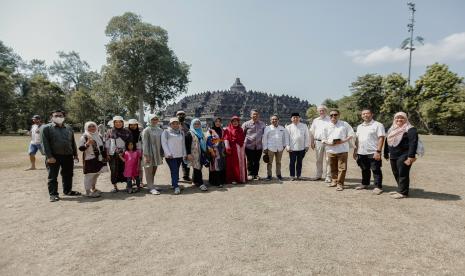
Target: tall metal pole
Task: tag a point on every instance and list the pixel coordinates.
(410, 26)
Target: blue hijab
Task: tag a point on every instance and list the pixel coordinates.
(198, 132)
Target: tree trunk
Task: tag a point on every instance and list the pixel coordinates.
(141, 110)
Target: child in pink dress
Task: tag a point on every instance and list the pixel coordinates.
(131, 158)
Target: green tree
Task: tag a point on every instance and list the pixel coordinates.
(82, 108)
(7, 102)
(71, 69)
(395, 96)
(141, 65)
(44, 96)
(368, 92)
(440, 99)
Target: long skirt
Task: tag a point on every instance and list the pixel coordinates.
(236, 165)
(117, 170)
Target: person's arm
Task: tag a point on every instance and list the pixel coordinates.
(83, 143)
(164, 144)
(73, 144)
(121, 156)
(355, 147)
(412, 146)
(379, 148)
(350, 132)
(306, 138)
(286, 138)
(265, 139)
(311, 133)
(45, 138)
(146, 143)
(184, 150)
(188, 143)
(386, 149)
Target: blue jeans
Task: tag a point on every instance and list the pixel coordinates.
(174, 164)
(295, 162)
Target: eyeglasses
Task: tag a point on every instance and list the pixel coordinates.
(333, 115)
(58, 116)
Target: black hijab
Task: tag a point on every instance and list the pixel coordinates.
(219, 130)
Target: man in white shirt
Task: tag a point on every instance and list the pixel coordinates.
(316, 136)
(336, 137)
(368, 145)
(299, 142)
(35, 144)
(275, 139)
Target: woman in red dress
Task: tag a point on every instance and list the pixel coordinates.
(236, 165)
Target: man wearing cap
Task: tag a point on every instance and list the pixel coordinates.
(316, 136)
(35, 144)
(60, 150)
(299, 143)
(253, 130)
(185, 129)
(275, 140)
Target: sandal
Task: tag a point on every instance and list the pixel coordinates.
(339, 188)
(114, 190)
(73, 193)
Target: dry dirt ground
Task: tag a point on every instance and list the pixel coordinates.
(289, 228)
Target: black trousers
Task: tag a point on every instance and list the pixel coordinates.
(253, 161)
(295, 162)
(185, 170)
(401, 174)
(217, 178)
(66, 163)
(197, 177)
(368, 164)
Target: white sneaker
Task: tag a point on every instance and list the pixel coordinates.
(328, 180)
(377, 191)
(203, 187)
(177, 191)
(154, 192)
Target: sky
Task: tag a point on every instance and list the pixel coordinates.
(309, 49)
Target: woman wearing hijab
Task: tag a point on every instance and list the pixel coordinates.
(401, 149)
(152, 151)
(196, 149)
(216, 153)
(174, 150)
(116, 140)
(93, 157)
(236, 165)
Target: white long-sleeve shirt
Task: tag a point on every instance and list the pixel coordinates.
(275, 138)
(298, 137)
(318, 126)
(173, 144)
(340, 130)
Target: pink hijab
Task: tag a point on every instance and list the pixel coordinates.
(395, 133)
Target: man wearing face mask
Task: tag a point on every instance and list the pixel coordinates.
(60, 150)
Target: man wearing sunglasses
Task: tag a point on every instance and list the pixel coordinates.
(336, 137)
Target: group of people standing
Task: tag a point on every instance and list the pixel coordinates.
(232, 154)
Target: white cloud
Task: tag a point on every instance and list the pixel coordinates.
(450, 48)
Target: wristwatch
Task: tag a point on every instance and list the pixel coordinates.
(378, 151)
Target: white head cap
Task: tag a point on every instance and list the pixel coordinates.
(174, 119)
(118, 118)
(132, 122)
